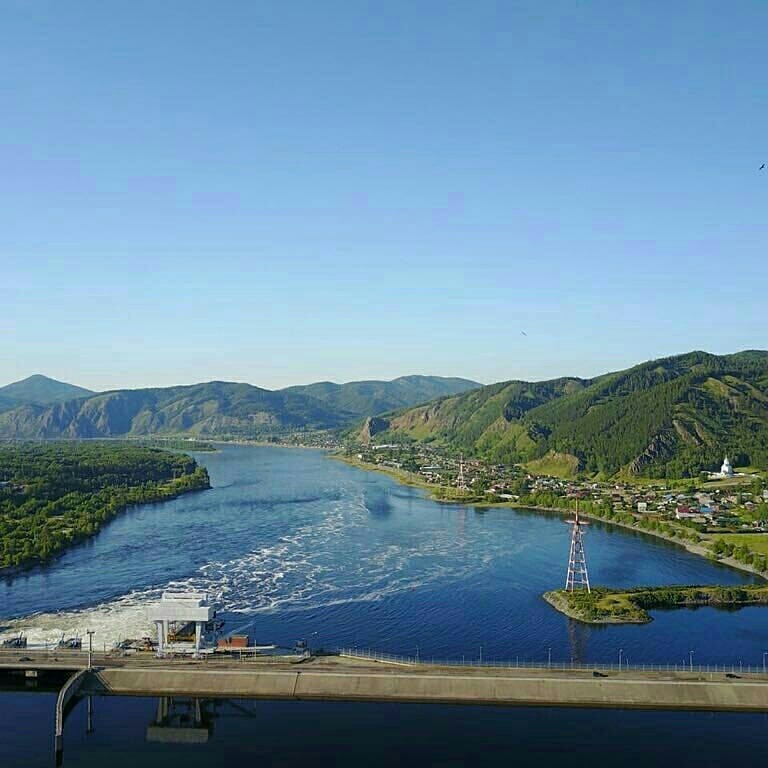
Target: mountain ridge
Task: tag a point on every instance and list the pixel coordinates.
(38, 389)
(667, 417)
(210, 409)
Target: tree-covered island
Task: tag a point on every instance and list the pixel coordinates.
(55, 494)
(631, 606)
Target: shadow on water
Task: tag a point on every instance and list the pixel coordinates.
(192, 731)
(376, 501)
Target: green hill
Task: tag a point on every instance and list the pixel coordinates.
(216, 409)
(371, 397)
(38, 390)
(665, 418)
(212, 409)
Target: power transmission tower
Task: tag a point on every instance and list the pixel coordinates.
(578, 576)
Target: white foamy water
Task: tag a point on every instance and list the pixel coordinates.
(338, 558)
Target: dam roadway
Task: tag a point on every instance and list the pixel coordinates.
(356, 679)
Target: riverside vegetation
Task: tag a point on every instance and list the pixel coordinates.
(54, 494)
(631, 606)
(514, 486)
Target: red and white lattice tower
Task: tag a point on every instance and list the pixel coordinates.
(461, 483)
(578, 576)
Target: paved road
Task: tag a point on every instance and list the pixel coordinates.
(334, 677)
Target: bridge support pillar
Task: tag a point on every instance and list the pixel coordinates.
(70, 689)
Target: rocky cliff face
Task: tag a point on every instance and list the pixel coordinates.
(372, 426)
(658, 450)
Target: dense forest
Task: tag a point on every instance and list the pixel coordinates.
(54, 494)
(667, 418)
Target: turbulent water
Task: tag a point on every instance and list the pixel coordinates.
(292, 544)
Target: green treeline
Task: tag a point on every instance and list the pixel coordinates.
(741, 552)
(603, 510)
(668, 418)
(54, 494)
(603, 605)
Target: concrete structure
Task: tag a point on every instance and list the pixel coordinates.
(358, 678)
(182, 619)
(541, 687)
(66, 694)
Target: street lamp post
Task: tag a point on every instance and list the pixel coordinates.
(549, 656)
(90, 649)
(765, 653)
(690, 659)
(621, 653)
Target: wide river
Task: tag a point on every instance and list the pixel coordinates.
(291, 545)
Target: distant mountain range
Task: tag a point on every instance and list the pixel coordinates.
(38, 390)
(670, 417)
(364, 398)
(39, 407)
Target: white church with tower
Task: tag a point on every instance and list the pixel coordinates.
(726, 471)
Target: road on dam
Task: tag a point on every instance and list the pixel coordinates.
(343, 678)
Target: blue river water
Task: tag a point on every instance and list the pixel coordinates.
(292, 544)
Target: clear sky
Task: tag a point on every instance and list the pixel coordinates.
(282, 192)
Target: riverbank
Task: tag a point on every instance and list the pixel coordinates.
(164, 494)
(413, 480)
(631, 606)
(64, 493)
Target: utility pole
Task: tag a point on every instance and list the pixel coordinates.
(90, 649)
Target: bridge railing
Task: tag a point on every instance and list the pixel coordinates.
(80, 658)
(10, 654)
(738, 668)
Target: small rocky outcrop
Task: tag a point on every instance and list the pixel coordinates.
(373, 425)
(661, 447)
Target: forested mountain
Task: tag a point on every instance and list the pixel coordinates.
(38, 390)
(212, 409)
(670, 417)
(217, 409)
(371, 397)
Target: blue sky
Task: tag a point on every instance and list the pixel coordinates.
(283, 192)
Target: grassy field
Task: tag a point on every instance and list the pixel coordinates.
(757, 542)
(555, 465)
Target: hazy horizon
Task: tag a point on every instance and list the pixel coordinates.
(366, 378)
